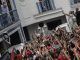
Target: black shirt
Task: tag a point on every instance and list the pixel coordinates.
(77, 15)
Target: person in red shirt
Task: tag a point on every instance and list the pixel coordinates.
(12, 55)
(19, 56)
(62, 56)
(28, 53)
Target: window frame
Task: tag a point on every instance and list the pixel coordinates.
(72, 2)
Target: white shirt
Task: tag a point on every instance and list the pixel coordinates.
(34, 57)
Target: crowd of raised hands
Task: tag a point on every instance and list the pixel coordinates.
(60, 45)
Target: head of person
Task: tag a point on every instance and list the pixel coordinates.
(77, 9)
(4, 4)
(18, 52)
(71, 12)
(72, 45)
(72, 35)
(26, 47)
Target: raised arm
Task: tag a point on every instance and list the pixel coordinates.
(65, 13)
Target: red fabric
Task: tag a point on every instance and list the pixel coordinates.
(28, 52)
(19, 56)
(54, 50)
(47, 37)
(79, 52)
(56, 42)
(49, 47)
(61, 57)
(12, 55)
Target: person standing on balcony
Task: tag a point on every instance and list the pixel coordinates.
(4, 8)
(5, 13)
(42, 5)
(77, 15)
(0, 10)
(0, 17)
(71, 20)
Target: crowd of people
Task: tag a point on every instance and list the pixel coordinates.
(4, 14)
(60, 45)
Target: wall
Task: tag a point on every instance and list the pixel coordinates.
(27, 8)
(32, 28)
(64, 4)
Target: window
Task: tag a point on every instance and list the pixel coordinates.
(45, 5)
(74, 1)
(0, 2)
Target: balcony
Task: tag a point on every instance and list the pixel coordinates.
(45, 5)
(7, 20)
(49, 15)
(47, 10)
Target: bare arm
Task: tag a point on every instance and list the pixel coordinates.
(74, 14)
(66, 14)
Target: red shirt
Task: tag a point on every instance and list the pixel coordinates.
(28, 52)
(49, 47)
(56, 42)
(62, 57)
(19, 56)
(54, 50)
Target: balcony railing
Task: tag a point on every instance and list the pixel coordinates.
(45, 5)
(8, 19)
(72, 2)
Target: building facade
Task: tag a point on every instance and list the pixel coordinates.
(49, 12)
(11, 25)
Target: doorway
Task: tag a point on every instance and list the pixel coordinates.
(53, 24)
(15, 39)
(26, 33)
